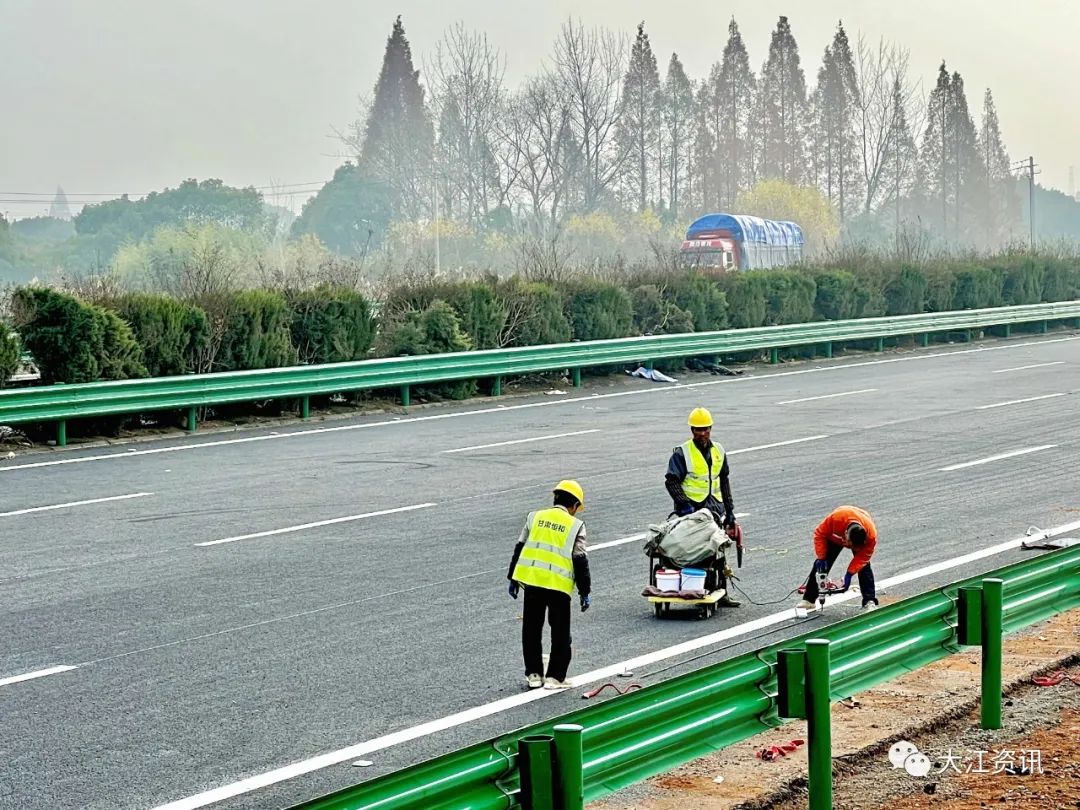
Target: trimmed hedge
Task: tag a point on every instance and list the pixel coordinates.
(170, 332)
(330, 325)
(9, 353)
(256, 332)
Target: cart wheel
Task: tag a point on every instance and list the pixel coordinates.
(703, 613)
(659, 608)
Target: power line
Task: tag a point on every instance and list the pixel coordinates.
(1032, 169)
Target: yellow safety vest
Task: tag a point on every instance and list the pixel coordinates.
(546, 558)
(698, 484)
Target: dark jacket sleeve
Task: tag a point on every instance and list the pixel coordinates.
(676, 472)
(514, 559)
(582, 575)
(725, 490)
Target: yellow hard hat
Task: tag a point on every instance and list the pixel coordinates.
(700, 418)
(571, 488)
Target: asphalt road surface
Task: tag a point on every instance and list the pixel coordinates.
(187, 622)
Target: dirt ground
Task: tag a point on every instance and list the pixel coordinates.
(1032, 762)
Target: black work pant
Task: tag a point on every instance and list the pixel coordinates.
(866, 578)
(555, 605)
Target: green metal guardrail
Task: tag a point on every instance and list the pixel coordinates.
(652, 730)
(59, 403)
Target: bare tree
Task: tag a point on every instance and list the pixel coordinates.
(587, 69)
(467, 92)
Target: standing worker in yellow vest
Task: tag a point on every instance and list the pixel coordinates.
(697, 478)
(550, 558)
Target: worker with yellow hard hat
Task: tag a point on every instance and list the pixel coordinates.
(549, 561)
(697, 477)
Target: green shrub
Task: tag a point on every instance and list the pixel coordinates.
(835, 296)
(74, 341)
(699, 295)
(789, 296)
(434, 330)
(170, 332)
(599, 311)
(481, 310)
(940, 288)
(746, 294)
(330, 325)
(977, 287)
(905, 293)
(256, 333)
(655, 316)
(1022, 282)
(535, 314)
(1061, 279)
(9, 353)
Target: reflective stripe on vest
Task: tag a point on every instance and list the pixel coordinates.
(546, 558)
(698, 485)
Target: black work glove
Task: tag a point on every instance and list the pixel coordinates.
(585, 602)
(513, 590)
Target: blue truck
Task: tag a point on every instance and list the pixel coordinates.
(741, 242)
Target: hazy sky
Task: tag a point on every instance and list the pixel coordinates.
(133, 95)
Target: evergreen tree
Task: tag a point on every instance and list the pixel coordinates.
(59, 209)
(639, 123)
(735, 88)
(678, 115)
(834, 103)
(934, 153)
(1000, 205)
(968, 171)
(783, 97)
(706, 163)
(399, 138)
(900, 167)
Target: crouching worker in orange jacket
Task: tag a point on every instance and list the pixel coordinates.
(846, 527)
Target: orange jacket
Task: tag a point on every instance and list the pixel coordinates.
(832, 528)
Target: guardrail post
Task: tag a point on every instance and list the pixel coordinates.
(828, 349)
(969, 616)
(305, 407)
(405, 395)
(992, 602)
(879, 345)
(576, 376)
(790, 682)
(1044, 326)
(192, 419)
(496, 386)
(1077, 324)
(774, 356)
(569, 779)
(534, 764)
(1006, 330)
(924, 339)
(967, 336)
(819, 723)
(61, 433)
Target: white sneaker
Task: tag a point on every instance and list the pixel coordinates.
(552, 683)
(869, 606)
(535, 681)
(807, 606)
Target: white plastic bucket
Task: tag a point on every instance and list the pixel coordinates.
(667, 579)
(693, 579)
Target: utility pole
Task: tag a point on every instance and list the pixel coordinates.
(1031, 169)
(438, 256)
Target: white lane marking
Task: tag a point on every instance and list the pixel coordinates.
(75, 503)
(316, 524)
(29, 676)
(1021, 452)
(827, 396)
(776, 444)
(513, 701)
(506, 408)
(521, 441)
(640, 536)
(1018, 401)
(1025, 368)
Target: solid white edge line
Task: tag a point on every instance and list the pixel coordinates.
(1018, 401)
(1012, 453)
(505, 408)
(1025, 368)
(827, 396)
(521, 441)
(41, 673)
(316, 524)
(641, 536)
(74, 503)
(477, 712)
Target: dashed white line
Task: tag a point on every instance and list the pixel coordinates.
(513, 701)
(1025, 368)
(1019, 401)
(1021, 452)
(316, 524)
(521, 441)
(776, 444)
(525, 405)
(827, 396)
(29, 676)
(74, 503)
